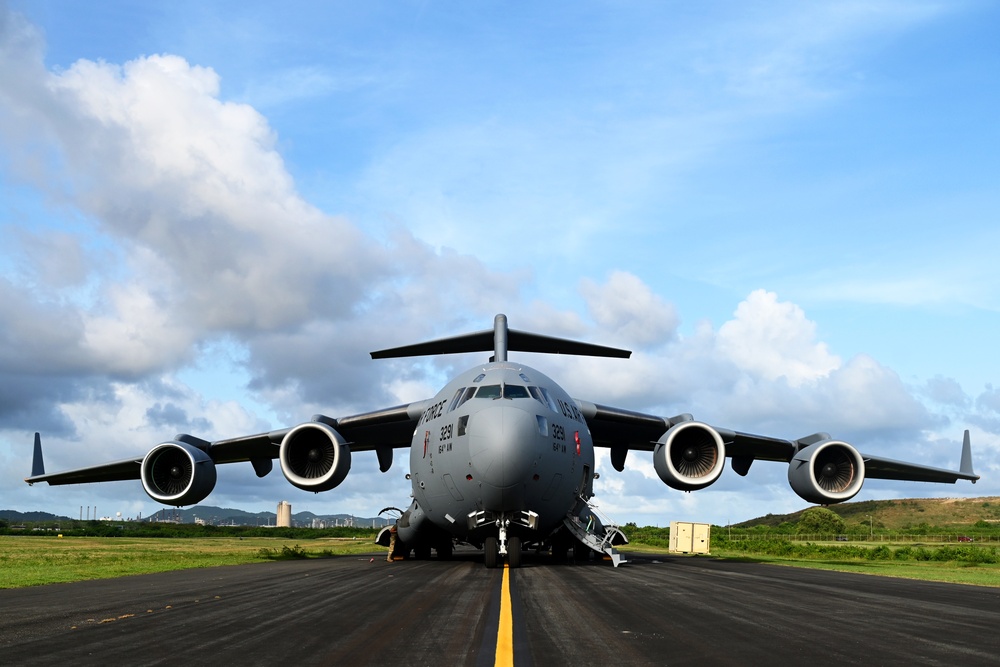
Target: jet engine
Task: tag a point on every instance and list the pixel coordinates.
(411, 524)
(827, 472)
(314, 457)
(176, 473)
(689, 456)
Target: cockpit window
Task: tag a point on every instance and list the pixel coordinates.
(489, 391)
(537, 395)
(515, 391)
(502, 391)
(479, 378)
(455, 399)
(469, 393)
(460, 397)
(549, 401)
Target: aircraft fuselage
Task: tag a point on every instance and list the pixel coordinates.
(501, 440)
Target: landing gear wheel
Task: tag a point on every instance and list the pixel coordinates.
(513, 551)
(492, 552)
(444, 550)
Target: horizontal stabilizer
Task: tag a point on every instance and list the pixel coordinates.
(500, 340)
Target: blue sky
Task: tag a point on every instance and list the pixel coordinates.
(211, 213)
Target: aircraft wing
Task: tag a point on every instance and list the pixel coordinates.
(104, 472)
(390, 428)
(381, 430)
(623, 430)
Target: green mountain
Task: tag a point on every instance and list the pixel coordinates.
(902, 514)
(217, 516)
(14, 516)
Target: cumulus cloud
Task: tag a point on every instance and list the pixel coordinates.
(946, 391)
(772, 340)
(989, 400)
(207, 237)
(763, 368)
(987, 410)
(161, 162)
(628, 309)
(762, 371)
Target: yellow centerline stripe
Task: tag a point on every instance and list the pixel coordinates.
(505, 632)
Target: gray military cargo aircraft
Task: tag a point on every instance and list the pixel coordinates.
(503, 458)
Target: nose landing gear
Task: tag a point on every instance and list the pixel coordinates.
(496, 548)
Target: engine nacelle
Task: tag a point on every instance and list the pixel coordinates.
(689, 456)
(827, 472)
(411, 524)
(314, 457)
(176, 473)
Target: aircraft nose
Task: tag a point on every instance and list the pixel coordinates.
(502, 445)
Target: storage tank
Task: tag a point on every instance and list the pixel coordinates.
(284, 514)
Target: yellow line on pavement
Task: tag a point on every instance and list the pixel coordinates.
(505, 633)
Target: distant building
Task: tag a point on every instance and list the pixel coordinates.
(284, 514)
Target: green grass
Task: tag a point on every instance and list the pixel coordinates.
(33, 561)
(951, 571)
(948, 571)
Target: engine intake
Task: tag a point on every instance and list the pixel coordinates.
(314, 457)
(827, 472)
(176, 473)
(689, 456)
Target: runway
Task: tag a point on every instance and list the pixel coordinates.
(655, 610)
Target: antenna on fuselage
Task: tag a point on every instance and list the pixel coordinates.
(501, 340)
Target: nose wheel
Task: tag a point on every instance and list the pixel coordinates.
(496, 548)
(492, 552)
(514, 551)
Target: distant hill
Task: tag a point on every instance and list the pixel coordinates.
(903, 513)
(886, 514)
(221, 516)
(217, 516)
(20, 517)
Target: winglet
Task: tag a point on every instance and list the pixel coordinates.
(966, 467)
(37, 465)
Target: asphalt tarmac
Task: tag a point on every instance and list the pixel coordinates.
(655, 610)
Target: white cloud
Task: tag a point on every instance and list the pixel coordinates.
(629, 310)
(762, 371)
(208, 235)
(772, 340)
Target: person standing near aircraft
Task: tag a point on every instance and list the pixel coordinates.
(393, 534)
